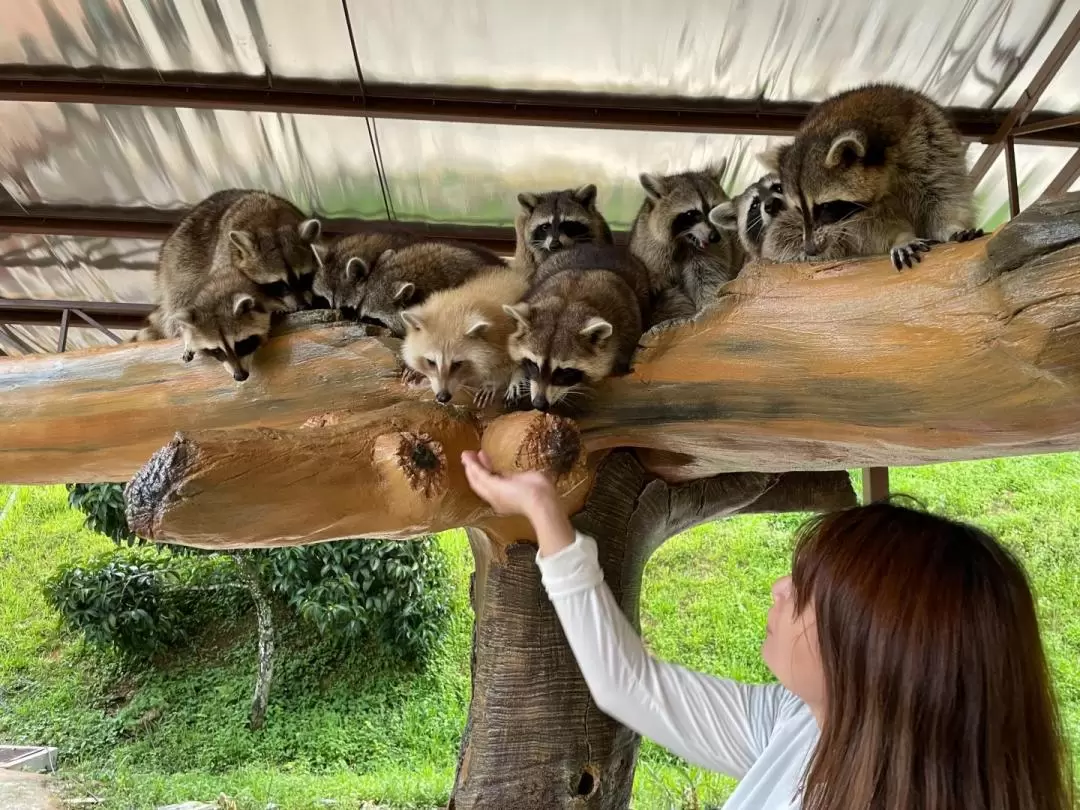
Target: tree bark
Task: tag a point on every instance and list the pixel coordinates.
(252, 576)
(535, 739)
(975, 353)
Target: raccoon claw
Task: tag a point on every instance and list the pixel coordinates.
(966, 235)
(484, 397)
(904, 254)
(188, 356)
(412, 378)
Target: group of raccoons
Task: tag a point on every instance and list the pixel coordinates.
(875, 170)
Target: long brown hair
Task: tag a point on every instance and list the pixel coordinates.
(937, 689)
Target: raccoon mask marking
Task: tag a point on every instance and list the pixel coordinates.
(230, 331)
(751, 213)
(282, 261)
(560, 349)
(556, 220)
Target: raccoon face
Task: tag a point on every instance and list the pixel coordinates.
(828, 180)
(452, 362)
(230, 331)
(384, 299)
(751, 213)
(339, 282)
(784, 240)
(556, 220)
(282, 261)
(560, 349)
(678, 206)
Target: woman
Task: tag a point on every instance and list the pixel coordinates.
(907, 650)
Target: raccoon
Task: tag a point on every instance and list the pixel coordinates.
(457, 338)
(556, 220)
(579, 322)
(404, 277)
(751, 213)
(688, 259)
(879, 148)
(344, 266)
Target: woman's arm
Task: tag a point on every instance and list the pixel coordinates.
(716, 723)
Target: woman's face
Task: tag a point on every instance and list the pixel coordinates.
(791, 648)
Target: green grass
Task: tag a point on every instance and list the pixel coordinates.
(361, 729)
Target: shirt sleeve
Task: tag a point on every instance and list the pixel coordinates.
(716, 723)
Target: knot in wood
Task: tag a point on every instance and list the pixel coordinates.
(146, 494)
(551, 443)
(423, 461)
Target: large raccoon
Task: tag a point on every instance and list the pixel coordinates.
(344, 266)
(457, 338)
(879, 145)
(688, 259)
(556, 220)
(402, 278)
(751, 213)
(580, 321)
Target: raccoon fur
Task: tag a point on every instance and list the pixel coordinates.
(750, 214)
(458, 337)
(345, 263)
(879, 148)
(556, 220)
(404, 277)
(687, 257)
(579, 322)
(261, 235)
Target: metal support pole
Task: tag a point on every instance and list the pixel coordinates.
(65, 320)
(1010, 172)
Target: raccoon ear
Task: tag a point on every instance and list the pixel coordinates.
(478, 326)
(725, 217)
(243, 303)
(772, 158)
(654, 185)
(528, 201)
(385, 255)
(847, 149)
(244, 241)
(412, 320)
(405, 292)
(355, 269)
(586, 195)
(519, 312)
(310, 229)
(596, 329)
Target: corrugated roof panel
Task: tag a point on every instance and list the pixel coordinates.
(450, 172)
(1063, 92)
(962, 52)
(83, 154)
(225, 36)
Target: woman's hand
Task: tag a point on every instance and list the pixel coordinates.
(531, 494)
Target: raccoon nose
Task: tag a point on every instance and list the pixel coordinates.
(443, 397)
(240, 375)
(540, 402)
(810, 248)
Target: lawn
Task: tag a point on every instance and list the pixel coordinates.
(359, 728)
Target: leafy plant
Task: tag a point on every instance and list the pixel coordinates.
(392, 591)
(103, 505)
(141, 601)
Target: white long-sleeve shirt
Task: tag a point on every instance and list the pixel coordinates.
(760, 734)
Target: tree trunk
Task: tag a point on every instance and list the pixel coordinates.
(975, 353)
(252, 576)
(535, 739)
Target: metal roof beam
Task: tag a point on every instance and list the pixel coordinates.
(462, 104)
(108, 314)
(1020, 112)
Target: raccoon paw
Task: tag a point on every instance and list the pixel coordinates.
(188, 356)
(904, 254)
(966, 235)
(411, 378)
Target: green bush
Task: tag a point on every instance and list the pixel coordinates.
(391, 591)
(103, 505)
(142, 600)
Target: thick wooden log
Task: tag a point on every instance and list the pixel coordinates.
(973, 353)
